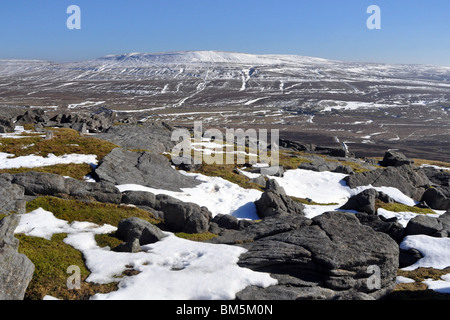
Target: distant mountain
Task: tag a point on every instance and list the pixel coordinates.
(361, 103)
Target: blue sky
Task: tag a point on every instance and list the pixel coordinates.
(412, 31)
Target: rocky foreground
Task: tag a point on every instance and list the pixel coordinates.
(351, 253)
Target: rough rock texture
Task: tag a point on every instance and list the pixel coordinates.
(274, 201)
(365, 201)
(182, 216)
(16, 270)
(331, 256)
(6, 125)
(41, 183)
(319, 164)
(155, 137)
(131, 229)
(411, 181)
(32, 116)
(11, 196)
(437, 198)
(98, 121)
(178, 216)
(395, 159)
(380, 224)
(149, 169)
(431, 226)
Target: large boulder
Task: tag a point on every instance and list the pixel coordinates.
(16, 270)
(395, 159)
(11, 196)
(332, 256)
(135, 229)
(149, 169)
(275, 201)
(178, 216)
(42, 183)
(182, 216)
(437, 198)
(429, 225)
(411, 181)
(365, 201)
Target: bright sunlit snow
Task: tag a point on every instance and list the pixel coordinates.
(172, 268)
(32, 161)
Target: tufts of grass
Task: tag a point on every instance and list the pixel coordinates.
(398, 207)
(65, 141)
(95, 212)
(74, 170)
(418, 290)
(308, 202)
(51, 259)
(107, 240)
(205, 236)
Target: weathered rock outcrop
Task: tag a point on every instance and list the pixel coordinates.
(332, 256)
(431, 226)
(365, 201)
(136, 232)
(16, 270)
(11, 196)
(274, 201)
(155, 137)
(178, 216)
(41, 183)
(411, 181)
(395, 159)
(149, 169)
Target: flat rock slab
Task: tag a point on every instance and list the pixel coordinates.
(155, 137)
(148, 169)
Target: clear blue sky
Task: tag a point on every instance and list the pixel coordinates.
(412, 31)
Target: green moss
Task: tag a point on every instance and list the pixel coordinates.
(73, 170)
(51, 259)
(107, 240)
(398, 207)
(95, 212)
(196, 236)
(65, 141)
(308, 202)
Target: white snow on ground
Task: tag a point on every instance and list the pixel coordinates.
(328, 187)
(172, 268)
(401, 279)
(43, 224)
(19, 132)
(218, 195)
(404, 217)
(442, 286)
(32, 161)
(436, 251)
